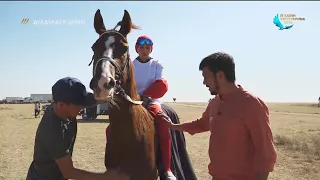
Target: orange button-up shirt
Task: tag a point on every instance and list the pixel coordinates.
(241, 141)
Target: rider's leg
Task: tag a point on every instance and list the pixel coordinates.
(164, 139)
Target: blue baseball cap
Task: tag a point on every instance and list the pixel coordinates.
(71, 90)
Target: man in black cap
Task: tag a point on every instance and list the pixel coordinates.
(56, 136)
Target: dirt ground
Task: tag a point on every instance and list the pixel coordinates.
(296, 128)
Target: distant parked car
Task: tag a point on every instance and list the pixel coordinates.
(93, 112)
(44, 107)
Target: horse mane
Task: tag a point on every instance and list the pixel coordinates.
(142, 119)
(133, 26)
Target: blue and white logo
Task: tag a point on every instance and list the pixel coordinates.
(282, 24)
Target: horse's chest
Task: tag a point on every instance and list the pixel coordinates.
(129, 147)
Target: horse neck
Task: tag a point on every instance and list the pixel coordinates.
(120, 115)
(131, 118)
(129, 115)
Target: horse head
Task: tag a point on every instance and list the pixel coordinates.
(112, 68)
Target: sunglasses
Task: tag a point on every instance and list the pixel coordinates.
(143, 41)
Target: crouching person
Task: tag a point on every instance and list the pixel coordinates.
(56, 135)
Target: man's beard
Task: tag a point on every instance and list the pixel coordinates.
(215, 92)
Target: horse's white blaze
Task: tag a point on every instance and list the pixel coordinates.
(108, 52)
(106, 74)
(105, 78)
(106, 69)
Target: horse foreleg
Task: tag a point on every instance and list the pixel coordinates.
(109, 161)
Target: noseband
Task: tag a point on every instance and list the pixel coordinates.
(119, 71)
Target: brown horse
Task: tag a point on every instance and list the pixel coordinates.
(132, 145)
(132, 142)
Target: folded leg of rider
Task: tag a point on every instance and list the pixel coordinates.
(157, 90)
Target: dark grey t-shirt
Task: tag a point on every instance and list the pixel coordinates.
(54, 139)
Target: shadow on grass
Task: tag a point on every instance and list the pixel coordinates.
(94, 121)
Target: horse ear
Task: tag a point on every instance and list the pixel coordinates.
(98, 23)
(126, 24)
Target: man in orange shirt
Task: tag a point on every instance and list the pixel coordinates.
(241, 142)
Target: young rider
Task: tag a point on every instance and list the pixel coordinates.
(150, 83)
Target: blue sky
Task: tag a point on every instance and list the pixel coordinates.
(278, 66)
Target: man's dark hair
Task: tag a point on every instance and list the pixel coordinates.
(220, 61)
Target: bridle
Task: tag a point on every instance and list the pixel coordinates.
(119, 71)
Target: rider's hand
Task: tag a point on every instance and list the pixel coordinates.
(146, 101)
(112, 174)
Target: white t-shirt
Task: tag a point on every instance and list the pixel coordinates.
(36, 106)
(146, 74)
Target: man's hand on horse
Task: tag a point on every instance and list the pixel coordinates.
(164, 118)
